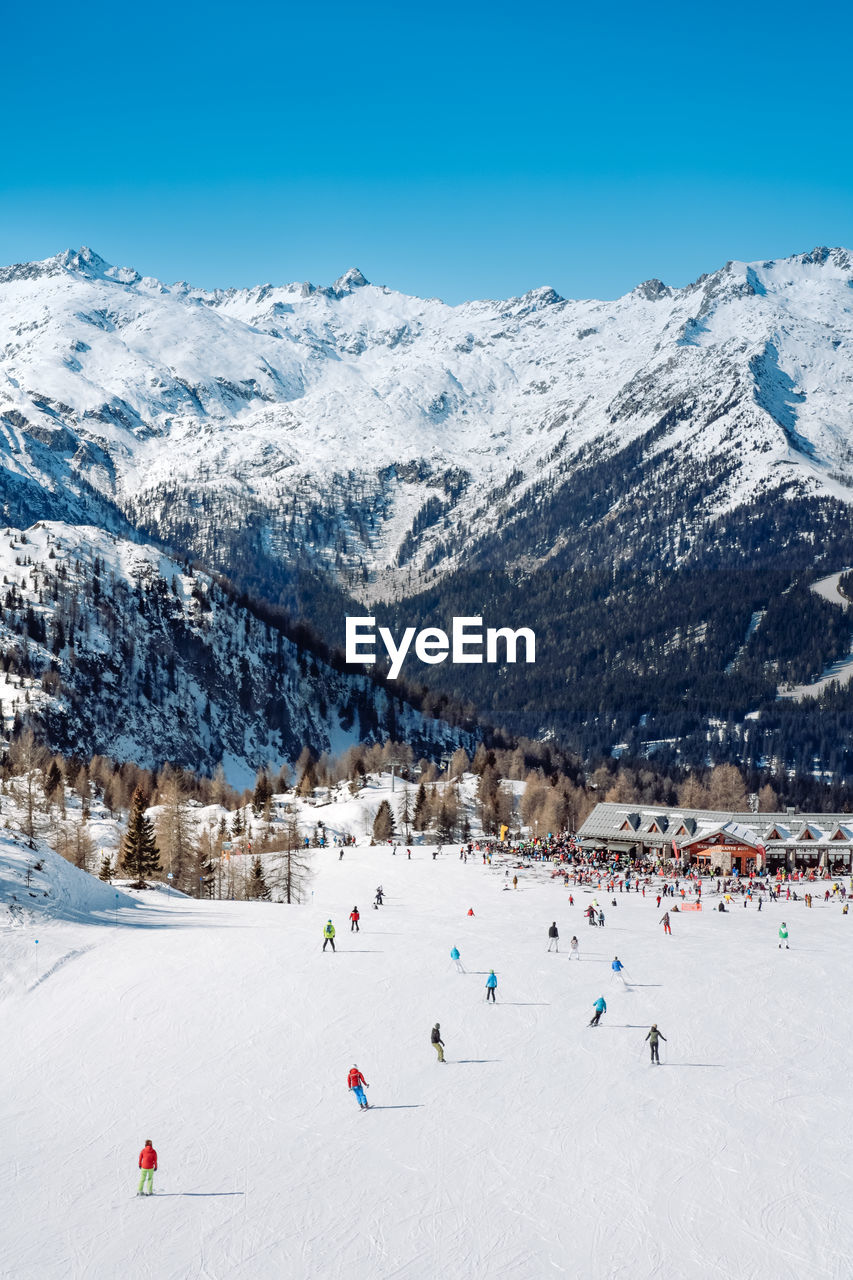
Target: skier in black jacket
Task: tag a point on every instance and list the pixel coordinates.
(435, 1038)
(553, 937)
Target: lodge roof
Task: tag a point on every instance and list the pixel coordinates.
(734, 832)
(658, 825)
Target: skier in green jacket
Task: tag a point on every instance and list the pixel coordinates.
(653, 1037)
(329, 935)
(783, 936)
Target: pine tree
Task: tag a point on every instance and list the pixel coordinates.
(422, 812)
(140, 856)
(204, 872)
(263, 792)
(106, 871)
(53, 781)
(448, 815)
(257, 884)
(383, 823)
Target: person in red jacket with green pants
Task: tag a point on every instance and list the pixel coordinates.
(148, 1165)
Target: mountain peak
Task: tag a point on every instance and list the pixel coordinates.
(352, 279)
(652, 290)
(84, 260)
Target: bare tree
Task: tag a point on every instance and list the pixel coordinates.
(74, 843)
(404, 813)
(27, 757)
(174, 830)
(293, 869)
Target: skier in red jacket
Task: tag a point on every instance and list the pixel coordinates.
(357, 1082)
(148, 1165)
(354, 919)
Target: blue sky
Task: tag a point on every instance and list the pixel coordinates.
(459, 150)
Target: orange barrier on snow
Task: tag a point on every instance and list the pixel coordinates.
(690, 906)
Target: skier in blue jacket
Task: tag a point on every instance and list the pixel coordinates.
(600, 1007)
(491, 984)
(617, 966)
(455, 957)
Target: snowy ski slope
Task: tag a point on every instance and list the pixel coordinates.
(542, 1148)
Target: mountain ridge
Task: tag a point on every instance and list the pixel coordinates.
(343, 447)
(273, 385)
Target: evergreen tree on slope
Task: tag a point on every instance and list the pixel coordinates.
(140, 856)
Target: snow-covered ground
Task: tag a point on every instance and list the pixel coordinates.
(222, 1031)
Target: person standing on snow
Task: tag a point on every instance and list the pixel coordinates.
(783, 936)
(329, 935)
(553, 936)
(491, 985)
(600, 1007)
(617, 966)
(454, 955)
(653, 1037)
(574, 953)
(148, 1165)
(354, 918)
(435, 1038)
(357, 1082)
(664, 920)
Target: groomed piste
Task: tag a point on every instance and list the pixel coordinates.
(543, 1147)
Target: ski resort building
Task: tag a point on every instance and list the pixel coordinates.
(720, 840)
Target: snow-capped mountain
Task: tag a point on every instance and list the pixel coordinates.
(635, 479)
(355, 426)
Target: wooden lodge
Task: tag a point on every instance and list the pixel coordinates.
(724, 841)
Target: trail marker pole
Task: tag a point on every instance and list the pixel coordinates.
(37, 960)
(116, 909)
